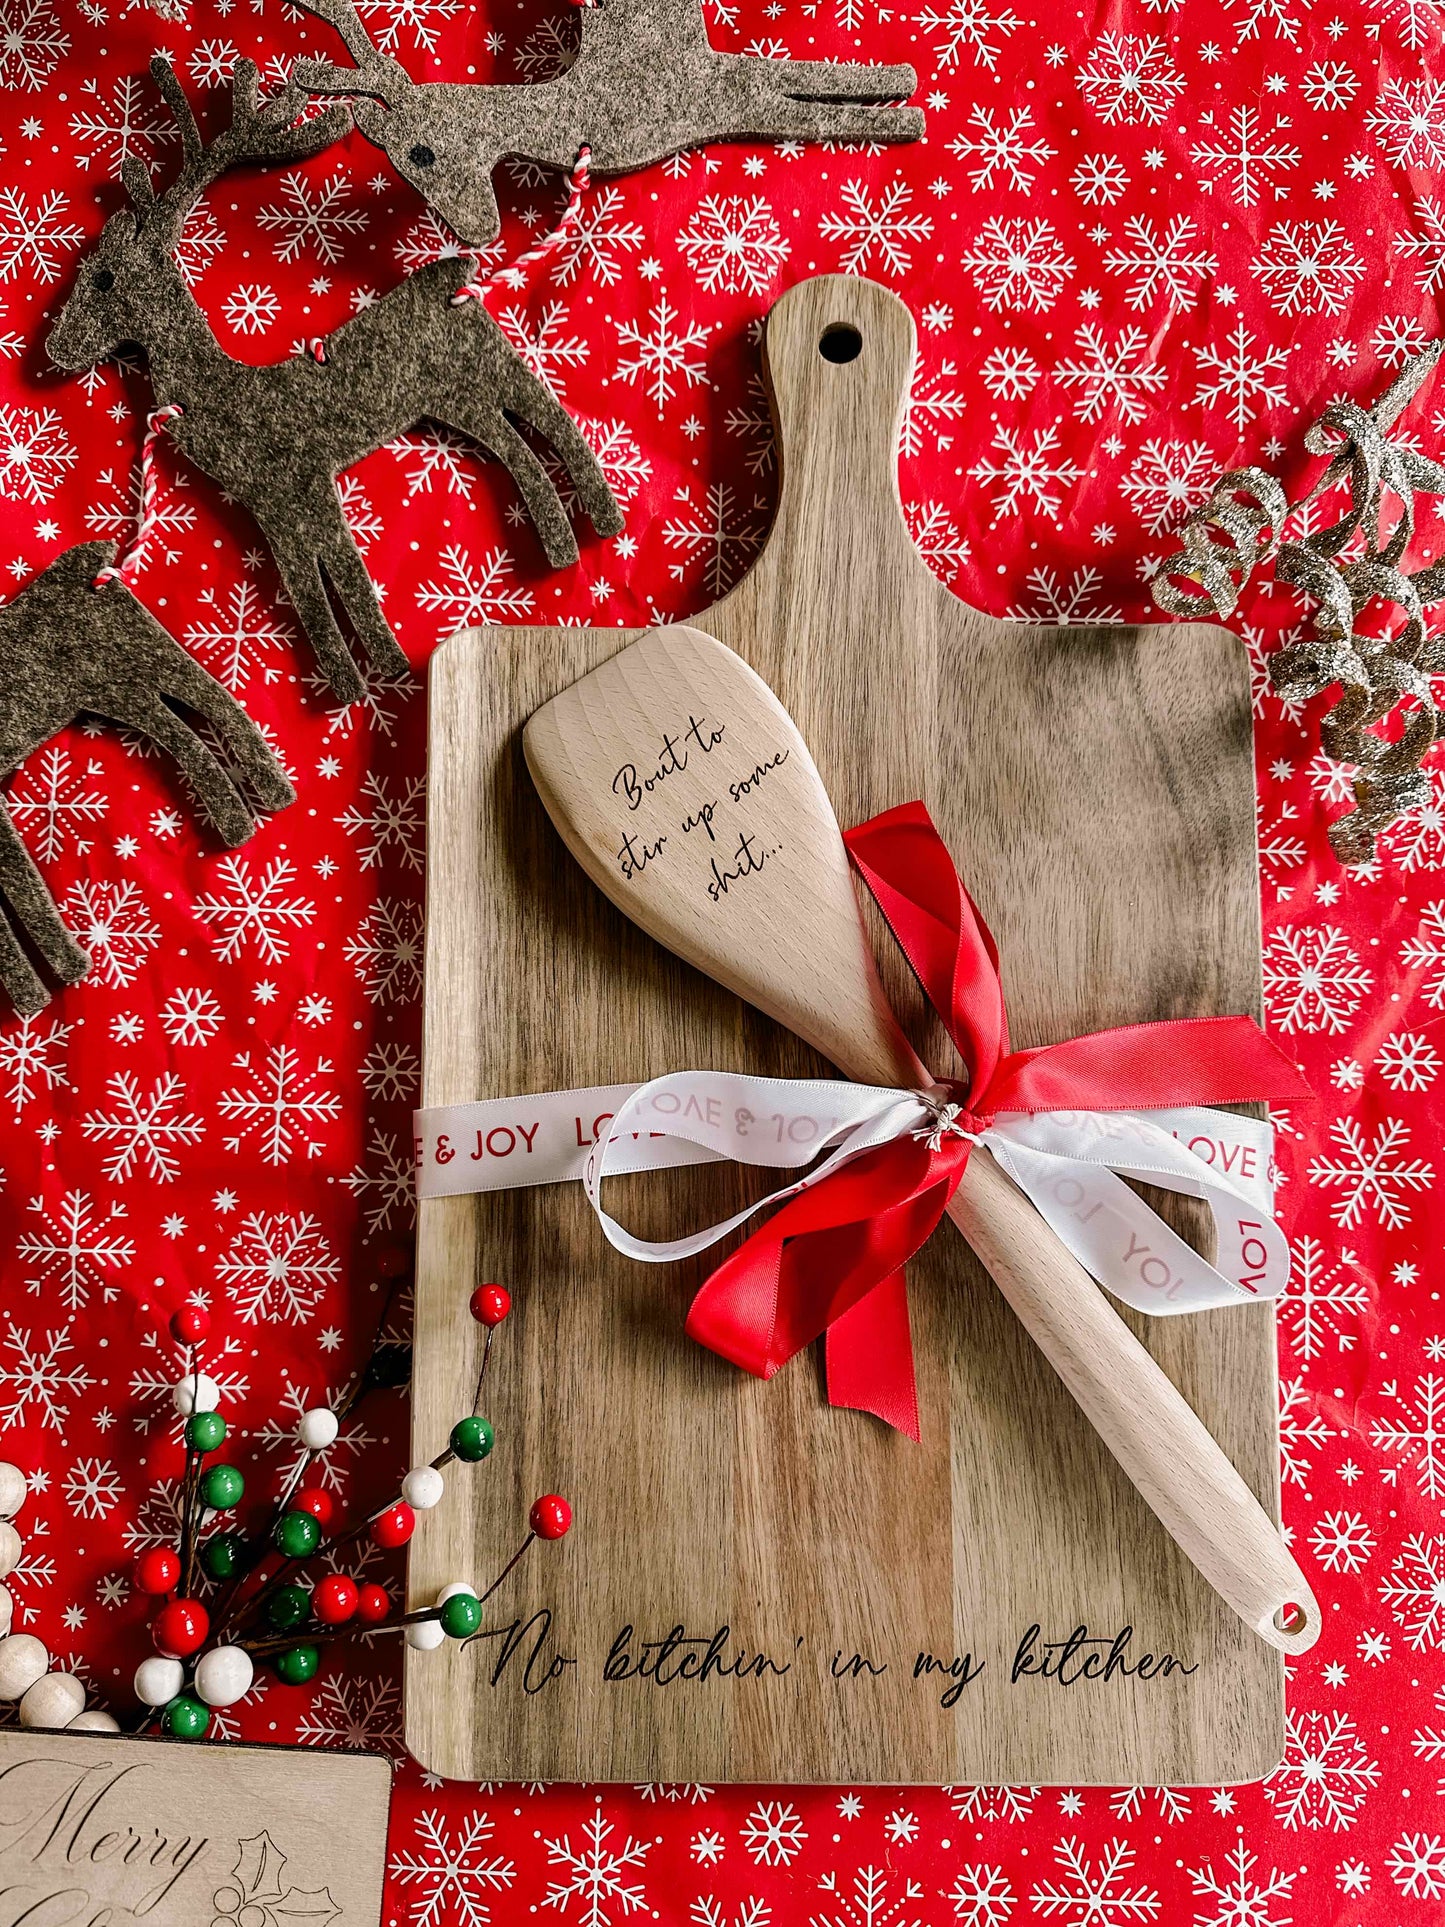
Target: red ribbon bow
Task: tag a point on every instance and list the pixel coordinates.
(832, 1259)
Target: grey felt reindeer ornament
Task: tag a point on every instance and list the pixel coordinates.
(275, 438)
(646, 83)
(75, 644)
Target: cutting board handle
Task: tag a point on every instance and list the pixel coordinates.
(838, 358)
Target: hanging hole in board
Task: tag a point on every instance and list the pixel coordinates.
(842, 342)
(1291, 1618)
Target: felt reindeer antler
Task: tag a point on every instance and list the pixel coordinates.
(68, 649)
(275, 438)
(645, 84)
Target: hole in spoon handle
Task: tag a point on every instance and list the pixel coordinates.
(1294, 1625)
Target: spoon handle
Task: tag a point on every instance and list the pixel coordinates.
(1178, 1468)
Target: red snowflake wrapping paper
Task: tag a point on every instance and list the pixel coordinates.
(1140, 243)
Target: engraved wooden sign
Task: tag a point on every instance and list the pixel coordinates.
(757, 1586)
(101, 1832)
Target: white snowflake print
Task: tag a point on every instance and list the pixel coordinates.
(1168, 479)
(1265, 19)
(1010, 373)
(1426, 249)
(1417, 1434)
(1242, 154)
(867, 1902)
(1130, 1801)
(32, 1059)
(32, 44)
(1416, 841)
(1414, 23)
(601, 235)
(936, 538)
(92, 1488)
(1320, 1296)
(114, 513)
(385, 821)
(251, 307)
(1299, 1430)
(1001, 149)
(548, 351)
(1307, 267)
(734, 243)
(1408, 1061)
(773, 1833)
(1167, 261)
(992, 1803)
(1429, 1741)
(144, 1127)
(279, 1104)
(128, 121)
(718, 530)
(74, 1249)
(1342, 1542)
(1408, 120)
(111, 921)
(313, 219)
(34, 239)
(447, 1874)
(191, 1016)
(254, 910)
(982, 1897)
(1059, 600)
(387, 951)
(1371, 1173)
(1329, 86)
(473, 589)
(154, 1381)
(1111, 375)
(974, 27)
(665, 356)
(53, 802)
(35, 453)
(387, 20)
(624, 466)
(353, 1713)
(878, 234)
(708, 1911)
(391, 1072)
(278, 1267)
(1094, 1894)
(1238, 1895)
(238, 635)
(1018, 263)
(35, 1371)
(1027, 470)
(598, 1875)
(1243, 376)
(385, 1181)
(1325, 1776)
(1130, 78)
(1313, 981)
(278, 1435)
(1415, 1590)
(1416, 1864)
(1099, 180)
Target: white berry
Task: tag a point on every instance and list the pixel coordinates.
(11, 1547)
(318, 1428)
(196, 1393)
(53, 1701)
(158, 1680)
(224, 1675)
(426, 1635)
(23, 1660)
(422, 1487)
(7, 1610)
(13, 1489)
(94, 1722)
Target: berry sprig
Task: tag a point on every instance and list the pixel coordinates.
(207, 1659)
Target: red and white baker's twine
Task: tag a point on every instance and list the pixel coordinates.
(514, 275)
(127, 565)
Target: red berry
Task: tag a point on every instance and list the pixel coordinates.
(373, 1603)
(551, 1516)
(490, 1304)
(190, 1324)
(316, 1500)
(394, 1262)
(180, 1628)
(158, 1570)
(334, 1599)
(394, 1526)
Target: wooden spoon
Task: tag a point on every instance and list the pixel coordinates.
(680, 783)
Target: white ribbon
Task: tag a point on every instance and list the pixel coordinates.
(1070, 1164)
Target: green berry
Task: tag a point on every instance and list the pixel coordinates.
(186, 1718)
(221, 1488)
(224, 1554)
(472, 1439)
(297, 1535)
(461, 1615)
(287, 1607)
(297, 1664)
(205, 1431)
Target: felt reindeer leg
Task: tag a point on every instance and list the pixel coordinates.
(343, 567)
(491, 429)
(522, 395)
(25, 893)
(184, 681)
(215, 791)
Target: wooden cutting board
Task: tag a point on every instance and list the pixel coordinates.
(1096, 788)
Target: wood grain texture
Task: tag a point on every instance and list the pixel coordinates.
(1096, 788)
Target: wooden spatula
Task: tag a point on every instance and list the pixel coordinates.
(682, 786)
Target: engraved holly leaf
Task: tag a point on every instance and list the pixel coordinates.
(259, 1866)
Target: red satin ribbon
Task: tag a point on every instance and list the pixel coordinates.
(832, 1259)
